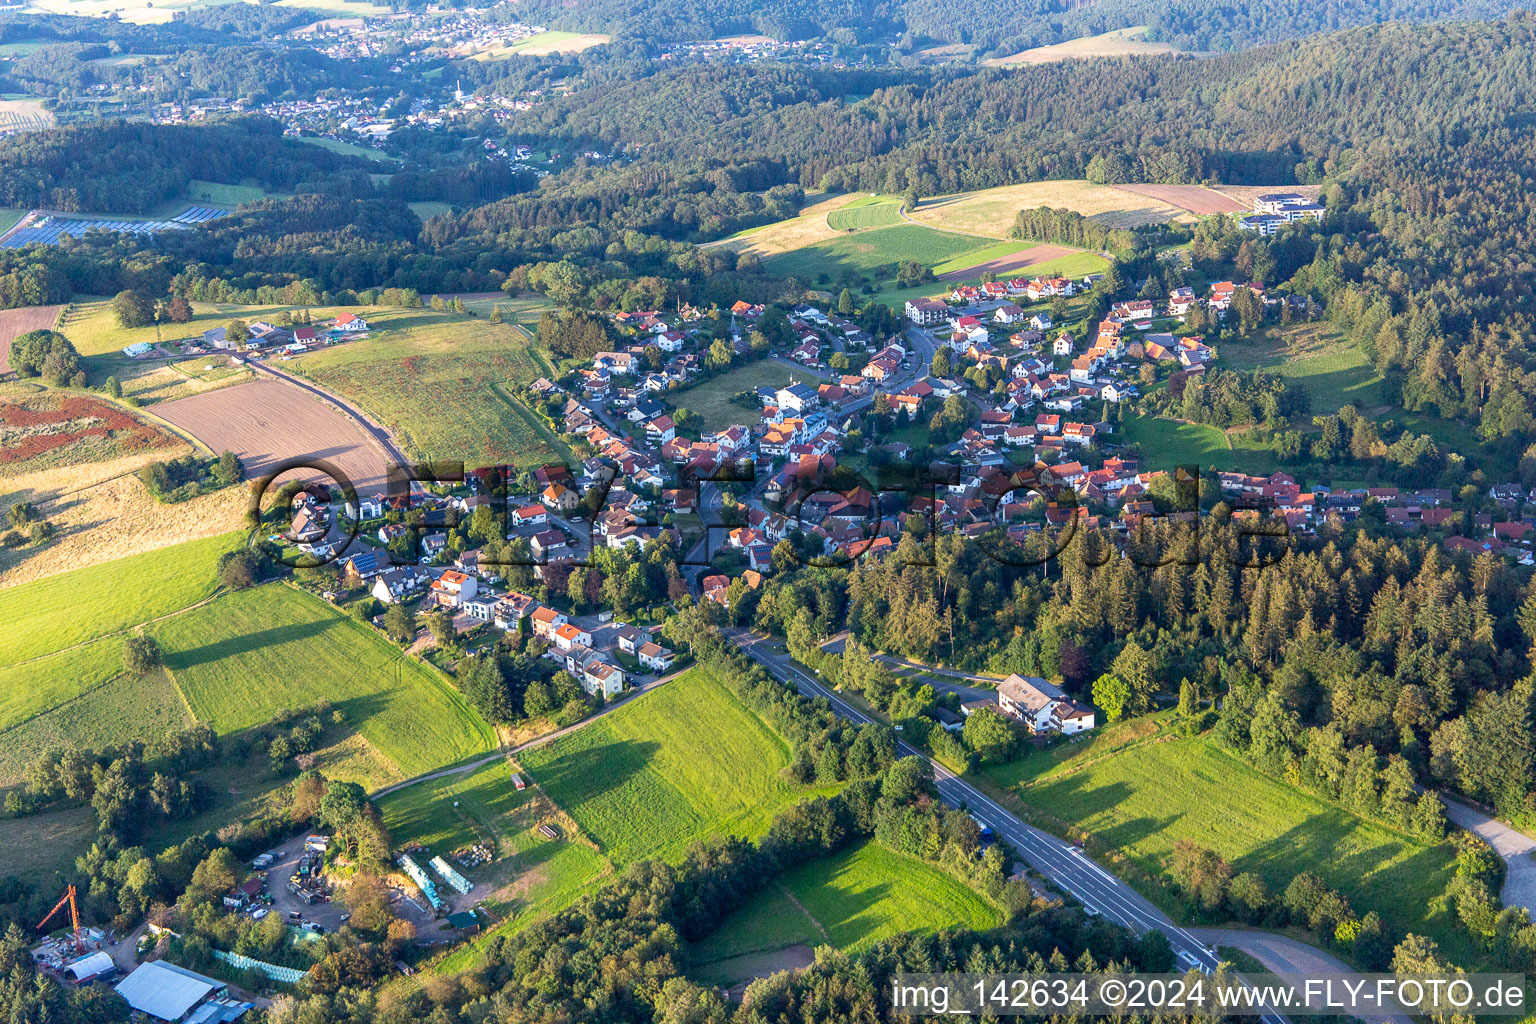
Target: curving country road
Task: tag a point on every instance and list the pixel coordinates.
(1517, 850)
(1060, 861)
(1284, 955)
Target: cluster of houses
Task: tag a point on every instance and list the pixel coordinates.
(1273, 210)
(293, 340)
(469, 590)
(1431, 508)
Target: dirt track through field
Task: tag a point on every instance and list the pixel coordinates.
(267, 422)
(16, 322)
(1197, 199)
(1006, 264)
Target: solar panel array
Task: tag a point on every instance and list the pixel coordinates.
(49, 230)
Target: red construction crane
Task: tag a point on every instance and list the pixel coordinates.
(74, 915)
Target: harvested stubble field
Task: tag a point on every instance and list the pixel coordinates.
(154, 382)
(56, 430)
(991, 211)
(267, 422)
(1121, 42)
(101, 511)
(808, 227)
(16, 322)
(1197, 199)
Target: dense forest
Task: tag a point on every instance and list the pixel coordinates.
(995, 29)
(1356, 640)
(128, 167)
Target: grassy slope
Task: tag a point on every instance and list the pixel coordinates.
(865, 250)
(134, 707)
(1145, 799)
(686, 761)
(52, 614)
(868, 212)
(991, 211)
(1316, 356)
(853, 899)
(248, 655)
(1169, 443)
(430, 378)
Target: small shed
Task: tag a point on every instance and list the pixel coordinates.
(464, 921)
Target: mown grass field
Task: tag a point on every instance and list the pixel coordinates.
(1315, 356)
(453, 811)
(851, 900)
(431, 378)
(336, 145)
(1169, 443)
(867, 212)
(49, 615)
(685, 761)
(248, 655)
(221, 194)
(711, 399)
(1145, 799)
(111, 711)
(35, 687)
(863, 251)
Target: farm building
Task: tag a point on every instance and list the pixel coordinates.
(167, 992)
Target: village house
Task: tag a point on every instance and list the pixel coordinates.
(654, 657)
(926, 311)
(511, 609)
(398, 585)
(545, 621)
(1042, 706)
(453, 588)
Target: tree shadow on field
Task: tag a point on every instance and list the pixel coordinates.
(594, 769)
(1317, 845)
(178, 660)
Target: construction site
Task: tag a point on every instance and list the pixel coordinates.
(74, 957)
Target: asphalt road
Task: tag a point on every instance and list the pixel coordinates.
(1517, 850)
(1281, 954)
(1059, 861)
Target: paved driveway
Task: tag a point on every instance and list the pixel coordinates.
(1516, 848)
(1284, 955)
